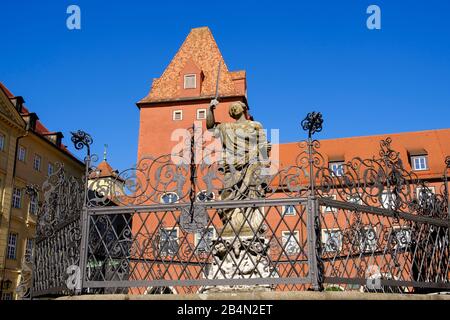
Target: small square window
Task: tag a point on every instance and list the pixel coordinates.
(327, 209)
(190, 81)
(424, 193)
(203, 240)
(355, 198)
(37, 162)
(290, 241)
(21, 154)
(178, 115)
(388, 200)
(289, 210)
(2, 142)
(337, 168)
(367, 237)
(201, 114)
(332, 240)
(168, 242)
(402, 237)
(419, 162)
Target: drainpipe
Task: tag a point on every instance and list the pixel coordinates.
(27, 129)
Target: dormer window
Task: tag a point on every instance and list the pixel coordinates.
(190, 81)
(419, 162)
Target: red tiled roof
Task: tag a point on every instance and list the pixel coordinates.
(103, 170)
(200, 48)
(434, 142)
(40, 128)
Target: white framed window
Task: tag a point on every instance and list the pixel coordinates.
(388, 200)
(168, 241)
(426, 192)
(355, 198)
(29, 247)
(332, 240)
(190, 81)
(201, 114)
(7, 296)
(203, 240)
(50, 169)
(337, 168)
(290, 241)
(419, 162)
(21, 154)
(204, 196)
(367, 239)
(37, 162)
(33, 204)
(17, 198)
(328, 209)
(402, 237)
(12, 246)
(2, 142)
(288, 210)
(169, 197)
(177, 115)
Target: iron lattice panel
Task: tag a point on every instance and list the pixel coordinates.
(149, 252)
(382, 252)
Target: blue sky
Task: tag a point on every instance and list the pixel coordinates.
(299, 56)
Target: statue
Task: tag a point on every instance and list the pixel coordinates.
(241, 251)
(245, 166)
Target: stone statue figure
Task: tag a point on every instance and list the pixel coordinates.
(245, 167)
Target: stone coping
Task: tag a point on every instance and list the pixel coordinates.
(298, 295)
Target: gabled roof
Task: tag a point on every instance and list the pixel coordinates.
(103, 170)
(40, 130)
(9, 112)
(201, 48)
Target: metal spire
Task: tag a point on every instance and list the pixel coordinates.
(104, 152)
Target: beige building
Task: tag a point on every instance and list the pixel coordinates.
(29, 153)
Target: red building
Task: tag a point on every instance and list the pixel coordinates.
(182, 95)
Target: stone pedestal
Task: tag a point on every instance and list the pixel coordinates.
(243, 257)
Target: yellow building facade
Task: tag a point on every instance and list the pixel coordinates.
(29, 153)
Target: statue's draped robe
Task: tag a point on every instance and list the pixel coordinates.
(245, 167)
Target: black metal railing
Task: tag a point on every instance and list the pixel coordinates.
(167, 225)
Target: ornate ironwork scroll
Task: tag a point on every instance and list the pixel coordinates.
(58, 233)
(158, 227)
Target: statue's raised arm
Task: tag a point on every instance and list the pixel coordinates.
(210, 119)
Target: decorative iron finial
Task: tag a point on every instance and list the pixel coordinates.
(312, 123)
(82, 139)
(104, 152)
(447, 162)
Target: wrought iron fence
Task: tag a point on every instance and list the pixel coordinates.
(174, 225)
